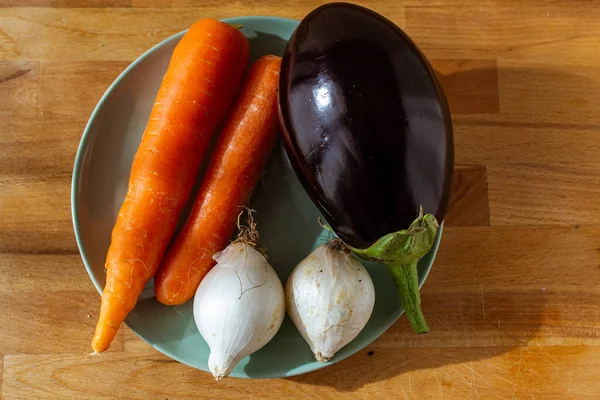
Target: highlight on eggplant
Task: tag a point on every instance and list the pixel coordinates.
(367, 129)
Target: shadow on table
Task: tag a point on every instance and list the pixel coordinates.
(530, 97)
(464, 329)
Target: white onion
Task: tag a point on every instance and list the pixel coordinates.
(239, 306)
(330, 297)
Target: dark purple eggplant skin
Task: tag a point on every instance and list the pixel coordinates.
(365, 123)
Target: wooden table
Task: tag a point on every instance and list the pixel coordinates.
(513, 298)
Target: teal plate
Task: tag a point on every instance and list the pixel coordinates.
(286, 217)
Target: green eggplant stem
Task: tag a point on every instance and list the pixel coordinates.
(400, 252)
(406, 279)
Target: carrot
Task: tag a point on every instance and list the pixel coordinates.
(203, 76)
(243, 148)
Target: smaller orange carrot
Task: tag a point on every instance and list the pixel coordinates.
(242, 151)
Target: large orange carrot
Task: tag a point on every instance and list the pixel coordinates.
(244, 145)
(203, 76)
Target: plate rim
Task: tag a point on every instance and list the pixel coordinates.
(75, 208)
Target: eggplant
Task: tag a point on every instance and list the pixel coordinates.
(367, 129)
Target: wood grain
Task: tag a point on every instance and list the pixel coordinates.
(46, 137)
(18, 87)
(513, 299)
(26, 226)
(534, 194)
(112, 34)
(287, 8)
(65, 3)
(527, 43)
(310, 4)
(520, 257)
(469, 200)
(531, 92)
(495, 138)
(107, 34)
(546, 33)
(537, 372)
(50, 322)
(471, 86)
(29, 272)
(59, 83)
(36, 144)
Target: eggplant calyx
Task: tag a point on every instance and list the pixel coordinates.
(401, 251)
(403, 247)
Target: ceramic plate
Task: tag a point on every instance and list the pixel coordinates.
(286, 218)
